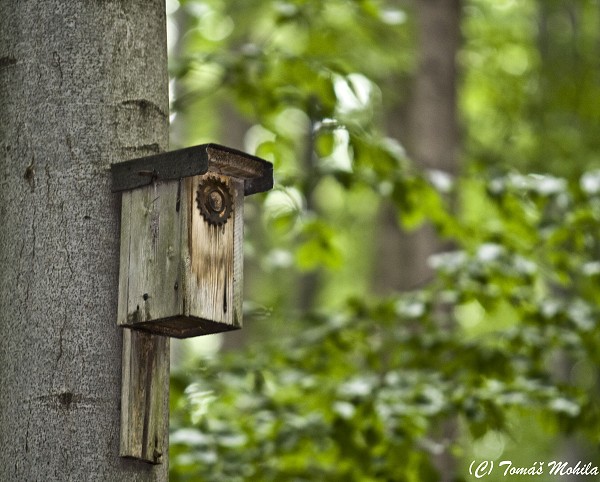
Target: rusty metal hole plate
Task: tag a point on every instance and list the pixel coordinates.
(214, 201)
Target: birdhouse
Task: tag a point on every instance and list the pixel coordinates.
(181, 258)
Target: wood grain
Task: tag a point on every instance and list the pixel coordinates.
(179, 275)
(144, 396)
(214, 277)
(147, 239)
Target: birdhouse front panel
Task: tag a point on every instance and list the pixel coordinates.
(215, 247)
(181, 258)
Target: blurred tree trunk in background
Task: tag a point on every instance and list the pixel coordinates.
(569, 448)
(427, 126)
(82, 85)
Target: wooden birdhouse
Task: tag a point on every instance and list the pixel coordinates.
(181, 258)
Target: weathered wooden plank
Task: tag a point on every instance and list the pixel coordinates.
(166, 166)
(151, 254)
(191, 161)
(256, 173)
(149, 233)
(238, 253)
(145, 396)
(124, 258)
(212, 292)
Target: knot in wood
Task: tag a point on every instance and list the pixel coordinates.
(214, 201)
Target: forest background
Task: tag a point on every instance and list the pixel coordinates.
(422, 283)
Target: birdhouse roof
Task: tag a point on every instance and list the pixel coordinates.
(192, 161)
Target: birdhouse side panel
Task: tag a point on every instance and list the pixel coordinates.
(150, 260)
(238, 255)
(215, 255)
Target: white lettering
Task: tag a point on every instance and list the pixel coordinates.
(505, 462)
(540, 469)
(511, 470)
(557, 467)
(563, 468)
(482, 469)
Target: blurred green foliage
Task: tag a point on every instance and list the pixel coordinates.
(531, 80)
(341, 384)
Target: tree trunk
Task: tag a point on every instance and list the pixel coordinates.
(433, 125)
(434, 136)
(82, 85)
(429, 129)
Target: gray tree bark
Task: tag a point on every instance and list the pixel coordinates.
(82, 85)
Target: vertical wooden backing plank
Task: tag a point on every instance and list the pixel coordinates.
(151, 240)
(144, 397)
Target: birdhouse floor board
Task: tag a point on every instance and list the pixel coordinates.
(184, 327)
